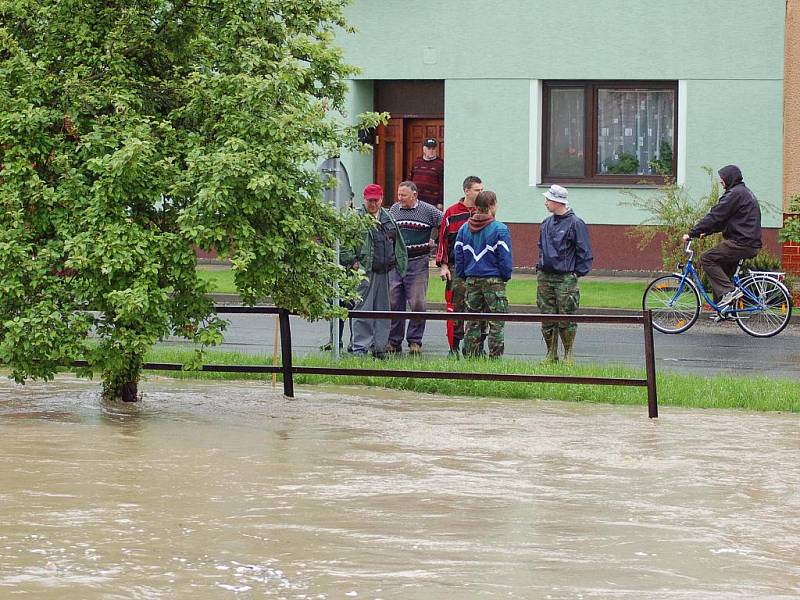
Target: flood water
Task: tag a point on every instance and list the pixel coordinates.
(227, 490)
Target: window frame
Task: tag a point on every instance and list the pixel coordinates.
(591, 110)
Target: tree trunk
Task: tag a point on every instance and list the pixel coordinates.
(130, 392)
(123, 385)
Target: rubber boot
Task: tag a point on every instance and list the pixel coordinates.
(551, 341)
(568, 340)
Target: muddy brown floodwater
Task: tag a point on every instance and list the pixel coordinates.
(211, 490)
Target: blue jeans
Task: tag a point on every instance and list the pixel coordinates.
(410, 290)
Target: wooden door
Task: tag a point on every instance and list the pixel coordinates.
(389, 169)
(397, 144)
(416, 132)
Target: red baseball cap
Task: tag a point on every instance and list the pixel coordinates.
(373, 191)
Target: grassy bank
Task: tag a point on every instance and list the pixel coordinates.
(749, 393)
(521, 290)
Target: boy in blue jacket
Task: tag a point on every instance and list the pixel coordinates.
(483, 260)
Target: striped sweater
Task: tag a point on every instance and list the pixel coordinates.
(416, 225)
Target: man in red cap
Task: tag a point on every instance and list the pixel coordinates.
(381, 252)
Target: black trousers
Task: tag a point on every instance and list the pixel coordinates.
(720, 263)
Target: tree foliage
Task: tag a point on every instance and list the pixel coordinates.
(132, 133)
(790, 232)
(671, 213)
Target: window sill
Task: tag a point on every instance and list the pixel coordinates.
(638, 186)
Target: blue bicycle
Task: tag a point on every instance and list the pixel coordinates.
(762, 311)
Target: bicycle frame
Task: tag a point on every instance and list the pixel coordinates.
(689, 272)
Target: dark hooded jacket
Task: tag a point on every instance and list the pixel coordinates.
(737, 213)
(564, 245)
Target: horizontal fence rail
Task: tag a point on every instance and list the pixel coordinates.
(287, 369)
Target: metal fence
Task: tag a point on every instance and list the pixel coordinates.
(287, 369)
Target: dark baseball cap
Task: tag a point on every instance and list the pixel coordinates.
(430, 143)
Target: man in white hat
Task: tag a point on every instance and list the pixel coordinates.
(565, 253)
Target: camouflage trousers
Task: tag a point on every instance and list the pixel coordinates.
(557, 294)
(485, 295)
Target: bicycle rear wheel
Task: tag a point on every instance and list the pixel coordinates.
(765, 308)
(674, 302)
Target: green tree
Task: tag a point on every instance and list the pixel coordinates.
(132, 133)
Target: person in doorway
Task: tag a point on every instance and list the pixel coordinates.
(483, 261)
(737, 215)
(454, 217)
(381, 255)
(418, 222)
(565, 254)
(427, 172)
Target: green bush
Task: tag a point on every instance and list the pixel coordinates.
(625, 164)
(765, 261)
(663, 163)
(672, 213)
(791, 227)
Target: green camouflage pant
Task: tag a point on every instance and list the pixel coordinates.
(485, 295)
(557, 294)
(459, 289)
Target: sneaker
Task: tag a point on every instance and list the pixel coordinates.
(729, 297)
(380, 356)
(391, 349)
(414, 348)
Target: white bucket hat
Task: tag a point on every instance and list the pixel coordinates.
(556, 193)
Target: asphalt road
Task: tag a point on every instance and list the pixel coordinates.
(705, 349)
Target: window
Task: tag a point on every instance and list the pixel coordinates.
(609, 132)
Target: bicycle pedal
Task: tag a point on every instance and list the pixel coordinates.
(722, 316)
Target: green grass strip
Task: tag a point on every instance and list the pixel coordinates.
(521, 289)
(722, 391)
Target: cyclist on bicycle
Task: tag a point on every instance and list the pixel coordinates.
(738, 216)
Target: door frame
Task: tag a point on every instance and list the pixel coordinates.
(395, 131)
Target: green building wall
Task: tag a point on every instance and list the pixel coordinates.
(727, 57)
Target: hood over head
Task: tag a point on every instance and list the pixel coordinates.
(730, 175)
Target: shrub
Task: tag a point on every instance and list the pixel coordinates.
(625, 164)
(791, 226)
(672, 213)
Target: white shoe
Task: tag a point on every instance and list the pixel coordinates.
(728, 298)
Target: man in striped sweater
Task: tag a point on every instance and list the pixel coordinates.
(418, 222)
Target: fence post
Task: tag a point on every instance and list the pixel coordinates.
(650, 365)
(286, 353)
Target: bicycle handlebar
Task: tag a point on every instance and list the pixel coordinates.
(688, 249)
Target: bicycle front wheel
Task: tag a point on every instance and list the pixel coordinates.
(674, 302)
(765, 308)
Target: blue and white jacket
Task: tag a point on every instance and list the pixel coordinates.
(483, 248)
